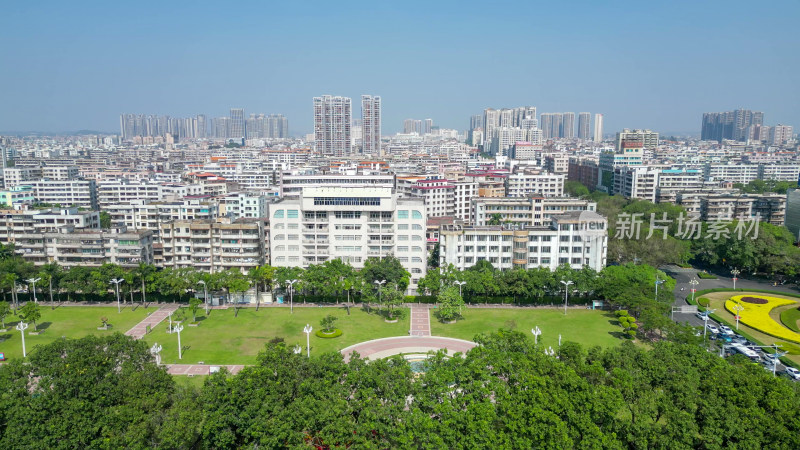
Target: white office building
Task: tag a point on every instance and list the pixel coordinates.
(350, 224)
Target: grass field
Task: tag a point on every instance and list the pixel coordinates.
(586, 327)
(69, 321)
(222, 338)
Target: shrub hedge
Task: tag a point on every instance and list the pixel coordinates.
(321, 334)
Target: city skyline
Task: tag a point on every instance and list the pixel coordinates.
(63, 79)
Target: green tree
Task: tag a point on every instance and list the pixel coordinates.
(391, 297)
(495, 219)
(80, 393)
(145, 275)
(5, 310)
(194, 305)
(388, 268)
(105, 220)
(51, 274)
(328, 323)
(576, 189)
(30, 313)
(433, 259)
(449, 304)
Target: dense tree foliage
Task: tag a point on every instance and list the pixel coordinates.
(764, 186)
(505, 393)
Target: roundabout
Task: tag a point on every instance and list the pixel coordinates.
(383, 348)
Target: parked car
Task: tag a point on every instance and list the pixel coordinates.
(739, 339)
(726, 330)
(794, 373)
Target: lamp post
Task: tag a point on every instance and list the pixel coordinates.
(536, 333)
(559, 340)
(170, 321)
(297, 349)
(735, 272)
(205, 292)
(178, 329)
(21, 327)
(378, 284)
(460, 283)
(705, 321)
(307, 330)
(291, 283)
(657, 283)
(566, 293)
(694, 284)
(116, 282)
(550, 351)
(738, 308)
(33, 281)
(155, 350)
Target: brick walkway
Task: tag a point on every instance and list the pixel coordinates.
(199, 369)
(140, 329)
(420, 320)
(382, 348)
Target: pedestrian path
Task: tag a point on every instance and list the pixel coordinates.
(200, 369)
(420, 320)
(140, 329)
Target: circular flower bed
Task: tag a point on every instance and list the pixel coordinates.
(333, 334)
(754, 300)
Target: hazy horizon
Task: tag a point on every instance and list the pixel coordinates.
(79, 66)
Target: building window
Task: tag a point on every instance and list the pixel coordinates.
(533, 260)
(402, 214)
(416, 226)
(416, 248)
(292, 214)
(402, 249)
(416, 215)
(402, 226)
(278, 214)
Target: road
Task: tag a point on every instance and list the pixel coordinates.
(683, 276)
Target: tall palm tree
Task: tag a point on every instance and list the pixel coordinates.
(52, 273)
(144, 274)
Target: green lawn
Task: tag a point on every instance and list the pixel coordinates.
(69, 321)
(586, 327)
(222, 338)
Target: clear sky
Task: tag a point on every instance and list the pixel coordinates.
(78, 65)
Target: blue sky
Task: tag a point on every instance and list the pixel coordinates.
(78, 65)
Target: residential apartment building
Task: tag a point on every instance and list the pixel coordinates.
(71, 246)
(533, 211)
(17, 222)
(17, 176)
(713, 207)
(238, 205)
(332, 122)
(60, 173)
(81, 193)
(350, 224)
(214, 245)
(564, 241)
(141, 214)
(18, 195)
(523, 184)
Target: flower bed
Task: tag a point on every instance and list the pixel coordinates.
(757, 316)
(755, 300)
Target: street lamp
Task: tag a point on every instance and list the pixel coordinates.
(536, 333)
(657, 283)
(559, 340)
(379, 284)
(291, 283)
(307, 330)
(298, 349)
(33, 282)
(116, 282)
(155, 350)
(178, 329)
(205, 291)
(21, 327)
(738, 308)
(705, 321)
(459, 283)
(735, 272)
(550, 351)
(694, 284)
(566, 293)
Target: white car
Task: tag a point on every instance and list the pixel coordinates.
(770, 357)
(794, 373)
(726, 330)
(712, 329)
(700, 315)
